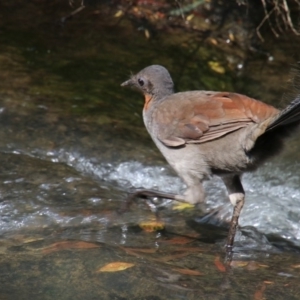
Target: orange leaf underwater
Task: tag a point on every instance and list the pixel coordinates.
(65, 245)
(220, 266)
(115, 267)
(188, 272)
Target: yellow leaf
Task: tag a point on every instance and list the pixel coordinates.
(118, 14)
(213, 41)
(190, 17)
(250, 265)
(115, 267)
(31, 240)
(182, 206)
(239, 263)
(151, 226)
(231, 36)
(296, 266)
(216, 66)
(147, 33)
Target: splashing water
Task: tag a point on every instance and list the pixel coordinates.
(272, 196)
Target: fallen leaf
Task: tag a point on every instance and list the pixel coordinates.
(118, 14)
(138, 252)
(188, 272)
(151, 226)
(268, 282)
(65, 245)
(132, 252)
(194, 235)
(295, 266)
(220, 266)
(115, 267)
(263, 266)
(239, 263)
(216, 66)
(32, 239)
(190, 17)
(231, 36)
(259, 294)
(147, 33)
(181, 240)
(182, 206)
(213, 41)
(249, 265)
(173, 257)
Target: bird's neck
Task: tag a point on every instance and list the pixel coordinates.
(160, 93)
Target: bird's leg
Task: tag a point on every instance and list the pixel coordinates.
(193, 194)
(148, 194)
(237, 198)
(143, 193)
(239, 203)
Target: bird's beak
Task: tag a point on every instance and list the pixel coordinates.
(129, 82)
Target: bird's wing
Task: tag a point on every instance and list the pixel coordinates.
(200, 116)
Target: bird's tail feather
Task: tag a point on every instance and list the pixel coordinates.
(289, 116)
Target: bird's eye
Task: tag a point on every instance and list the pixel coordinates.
(141, 81)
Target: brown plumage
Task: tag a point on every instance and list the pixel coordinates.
(201, 133)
